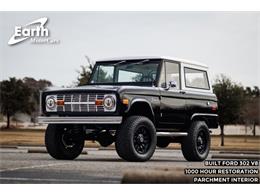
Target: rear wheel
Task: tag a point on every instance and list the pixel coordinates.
(136, 139)
(64, 142)
(195, 147)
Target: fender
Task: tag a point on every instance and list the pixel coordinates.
(203, 114)
(211, 119)
(140, 100)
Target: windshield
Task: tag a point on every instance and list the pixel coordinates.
(144, 71)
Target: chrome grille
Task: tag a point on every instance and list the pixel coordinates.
(80, 102)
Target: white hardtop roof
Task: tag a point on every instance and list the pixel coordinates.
(152, 57)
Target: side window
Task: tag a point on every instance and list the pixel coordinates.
(196, 78)
(172, 73)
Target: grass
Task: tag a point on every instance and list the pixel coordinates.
(21, 137)
(35, 137)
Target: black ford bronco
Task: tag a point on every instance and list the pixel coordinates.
(138, 103)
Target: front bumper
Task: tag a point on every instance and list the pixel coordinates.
(80, 120)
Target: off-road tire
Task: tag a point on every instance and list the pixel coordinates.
(55, 144)
(190, 145)
(128, 139)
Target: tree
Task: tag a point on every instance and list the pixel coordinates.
(36, 86)
(21, 95)
(14, 96)
(231, 99)
(251, 109)
(256, 91)
(85, 72)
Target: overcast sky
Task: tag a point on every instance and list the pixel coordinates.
(227, 42)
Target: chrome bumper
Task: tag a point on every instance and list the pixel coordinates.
(80, 120)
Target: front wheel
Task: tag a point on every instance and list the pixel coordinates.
(195, 147)
(64, 142)
(136, 139)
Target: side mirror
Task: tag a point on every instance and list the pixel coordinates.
(172, 84)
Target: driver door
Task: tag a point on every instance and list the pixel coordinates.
(172, 105)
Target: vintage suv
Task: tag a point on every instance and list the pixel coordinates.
(136, 102)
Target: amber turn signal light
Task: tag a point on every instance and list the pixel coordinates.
(99, 102)
(125, 101)
(60, 102)
(214, 108)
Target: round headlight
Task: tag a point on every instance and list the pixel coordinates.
(109, 102)
(50, 103)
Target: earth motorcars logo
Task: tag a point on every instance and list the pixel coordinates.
(36, 31)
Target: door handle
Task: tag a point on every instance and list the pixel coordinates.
(182, 92)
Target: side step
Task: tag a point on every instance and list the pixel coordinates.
(171, 134)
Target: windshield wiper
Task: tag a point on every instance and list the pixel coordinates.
(141, 62)
(118, 63)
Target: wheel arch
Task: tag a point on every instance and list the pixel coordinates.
(143, 107)
(210, 119)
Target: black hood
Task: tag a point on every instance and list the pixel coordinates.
(95, 88)
(84, 88)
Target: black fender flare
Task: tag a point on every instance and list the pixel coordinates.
(141, 100)
(207, 117)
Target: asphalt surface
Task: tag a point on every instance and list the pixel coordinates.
(17, 165)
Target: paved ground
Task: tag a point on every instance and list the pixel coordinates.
(27, 165)
(98, 166)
